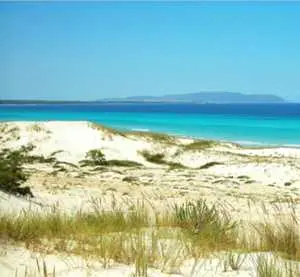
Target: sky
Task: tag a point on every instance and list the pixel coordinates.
(90, 51)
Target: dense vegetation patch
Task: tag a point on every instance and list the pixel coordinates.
(209, 164)
(95, 157)
(200, 145)
(159, 158)
(12, 175)
(206, 224)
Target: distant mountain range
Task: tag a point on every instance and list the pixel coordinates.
(198, 97)
(204, 97)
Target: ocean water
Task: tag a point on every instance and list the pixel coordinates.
(269, 124)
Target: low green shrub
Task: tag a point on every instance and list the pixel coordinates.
(154, 158)
(210, 164)
(200, 145)
(159, 158)
(12, 175)
(125, 163)
(95, 157)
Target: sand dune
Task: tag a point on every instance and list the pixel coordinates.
(224, 173)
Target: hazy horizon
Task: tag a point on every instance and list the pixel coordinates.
(91, 51)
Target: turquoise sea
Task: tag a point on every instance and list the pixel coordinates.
(270, 124)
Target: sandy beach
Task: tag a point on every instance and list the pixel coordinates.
(251, 183)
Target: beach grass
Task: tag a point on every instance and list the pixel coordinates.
(95, 158)
(134, 236)
(233, 261)
(281, 236)
(159, 158)
(106, 129)
(145, 237)
(200, 145)
(270, 266)
(209, 164)
(151, 136)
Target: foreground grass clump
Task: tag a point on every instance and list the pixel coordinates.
(270, 266)
(138, 234)
(282, 237)
(95, 157)
(207, 225)
(267, 267)
(28, 227)
(131, 236)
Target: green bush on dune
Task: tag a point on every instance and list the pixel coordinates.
(159, 158)
(12, 175)
(200, 145)
(95, 157)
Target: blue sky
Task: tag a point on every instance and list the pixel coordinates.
(90, 51)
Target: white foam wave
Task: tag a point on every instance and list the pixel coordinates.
(256, 143)
(140, 130)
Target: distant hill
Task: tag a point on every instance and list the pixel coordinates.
(205, 97)
(198, 97)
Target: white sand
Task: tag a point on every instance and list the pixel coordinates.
(245, 175)
(16, 261)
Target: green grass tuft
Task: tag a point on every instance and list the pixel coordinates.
(159, 158)
(282, 237)
(210, 164)
(96, 158)
(200, 145)
(206, 224)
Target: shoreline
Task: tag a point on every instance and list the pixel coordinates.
(242, 143)
(248, 125)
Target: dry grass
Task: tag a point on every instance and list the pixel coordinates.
(152, 136)
(40, 270)
(36, 128)
(270, 266)
(207, 226)
(105, 129)
(233, 261)
(130, 236)
(282, 237)
(139, 235)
